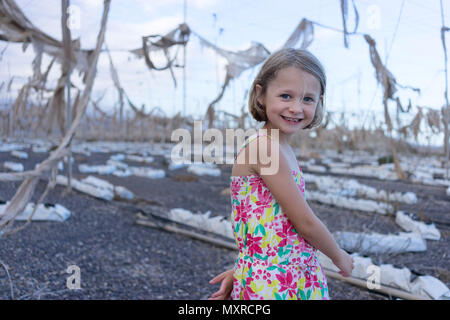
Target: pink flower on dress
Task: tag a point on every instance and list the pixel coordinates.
(287, 283)
(311, 280)
(253, 244)
(249, 294)
(243, 209)
(287, 234)
(255, 182)
(235, 188)
(264, 201)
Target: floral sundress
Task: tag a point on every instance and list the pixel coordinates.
(274, 261)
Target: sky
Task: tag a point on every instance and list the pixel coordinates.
(407, 33)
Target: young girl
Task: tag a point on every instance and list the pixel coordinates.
(275, 230)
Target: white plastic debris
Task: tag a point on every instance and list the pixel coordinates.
(19, 154)
(431, 287)
(116, 163)
(176, 165)
(218, 224)
(123, 173)
(380, 243)
(43, 212)
(202, 169)
(349, 203)
(100, 169)
(148, 172)
(395, 277)
(427, 231)
(383, 172)
(352, 188)
(120, 191)
(123, 192)
(99, 183)
(136, 158)
(13, 166)
(117, 157)
(6, 147)
(96, 192)
(410, 198)
(40, 149)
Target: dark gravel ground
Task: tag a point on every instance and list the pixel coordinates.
(119, 259)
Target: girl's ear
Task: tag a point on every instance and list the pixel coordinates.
(259, 96)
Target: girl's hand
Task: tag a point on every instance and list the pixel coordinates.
(345, 263)
(225, 288)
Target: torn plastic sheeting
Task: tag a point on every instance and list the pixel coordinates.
(380, 243)
(430, 286)
(427, 231)
(16, 27)
(395, 277)
(44, 212)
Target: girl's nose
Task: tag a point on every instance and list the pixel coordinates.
(296, 106)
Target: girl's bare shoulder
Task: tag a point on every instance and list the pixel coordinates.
(254, 155)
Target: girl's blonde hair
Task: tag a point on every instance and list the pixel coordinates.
(281, 59)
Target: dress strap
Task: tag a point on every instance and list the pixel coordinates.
(250, 139)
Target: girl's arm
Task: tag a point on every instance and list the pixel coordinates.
(288, 195)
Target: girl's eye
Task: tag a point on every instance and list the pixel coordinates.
(285, 96)
(308, 99)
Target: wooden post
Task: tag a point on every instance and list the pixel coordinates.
(445, 113)
(68, 55)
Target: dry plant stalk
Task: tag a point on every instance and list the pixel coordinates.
(385, 77)
(26, 189)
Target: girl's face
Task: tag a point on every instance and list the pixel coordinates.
(290, 99)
